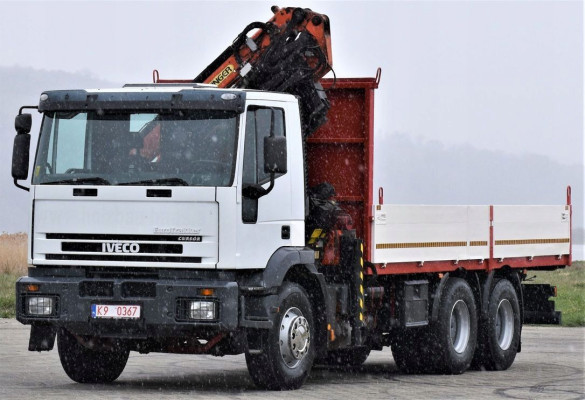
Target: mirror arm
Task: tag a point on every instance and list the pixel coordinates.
(271, 186)
(254, 192)
(27, 107)
(20, 186)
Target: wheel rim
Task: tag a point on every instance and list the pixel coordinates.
(504, 324)
(295, 337)
(460, 326)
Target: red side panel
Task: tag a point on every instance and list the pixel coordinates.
(341, 152)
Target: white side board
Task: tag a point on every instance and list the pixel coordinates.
(405, 233)
(531, 231)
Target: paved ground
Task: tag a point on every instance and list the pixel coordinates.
(551, 366)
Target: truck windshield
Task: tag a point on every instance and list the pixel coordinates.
(187, 148)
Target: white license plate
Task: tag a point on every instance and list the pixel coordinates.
(114, 311)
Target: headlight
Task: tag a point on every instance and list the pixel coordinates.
(201, 310)
(37, 305)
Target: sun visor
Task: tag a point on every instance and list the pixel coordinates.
(81, 100)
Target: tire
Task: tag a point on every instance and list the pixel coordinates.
(411, 351)
(353, 357)
(84, 365)
(500, 334)
(288, 350)
(447, 345)
(452, 339)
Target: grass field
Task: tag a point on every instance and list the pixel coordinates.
(12, 265)
(13, 253)
(570, 281)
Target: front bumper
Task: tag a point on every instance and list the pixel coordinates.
(160, 301)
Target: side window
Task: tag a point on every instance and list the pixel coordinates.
(260, 121)
(68, 144)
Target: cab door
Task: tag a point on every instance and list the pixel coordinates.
(277, 218)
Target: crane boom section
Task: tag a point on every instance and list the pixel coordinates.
(290, 53)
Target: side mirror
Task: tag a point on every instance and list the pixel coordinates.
(23, 123)
(275, 154)
(20, 156)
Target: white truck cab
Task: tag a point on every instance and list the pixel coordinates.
(104, 157)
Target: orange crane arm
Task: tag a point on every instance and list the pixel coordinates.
(289, 53)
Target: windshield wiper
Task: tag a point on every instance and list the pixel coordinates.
(158, 182)
(92, 180)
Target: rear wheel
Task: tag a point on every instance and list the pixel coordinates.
(447, 345)
(498, 343)
(287, 352)
(453, 337)
(412, 352)
(102, 364)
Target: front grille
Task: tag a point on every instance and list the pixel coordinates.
(100, 257)
(101, 247)
(146, 238)
(124, 248)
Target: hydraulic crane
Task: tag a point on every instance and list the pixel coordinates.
(290, 53)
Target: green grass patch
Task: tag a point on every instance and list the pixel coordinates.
(7, 299)
(570, 283)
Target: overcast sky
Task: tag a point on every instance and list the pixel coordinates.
(505, 75)
(502, 77)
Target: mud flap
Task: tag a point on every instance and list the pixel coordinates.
(42, 338)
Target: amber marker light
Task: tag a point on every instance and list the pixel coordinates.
(31, 288)
(206, 292)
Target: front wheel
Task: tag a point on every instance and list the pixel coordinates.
(102, 364)
(287, 349)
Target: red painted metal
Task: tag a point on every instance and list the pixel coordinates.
(428, 267)
(341, 152)
(156, 79)
(381, 196)
(489, 262)
(570, 205)
(568, 195)
(526, 262)
(469, 265)
(193, 346)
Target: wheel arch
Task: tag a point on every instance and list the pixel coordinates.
(490, 281)
(296, 264)
(481, 285)
(472, 280)
(314, 284)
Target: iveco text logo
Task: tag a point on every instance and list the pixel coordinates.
(120, 248)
